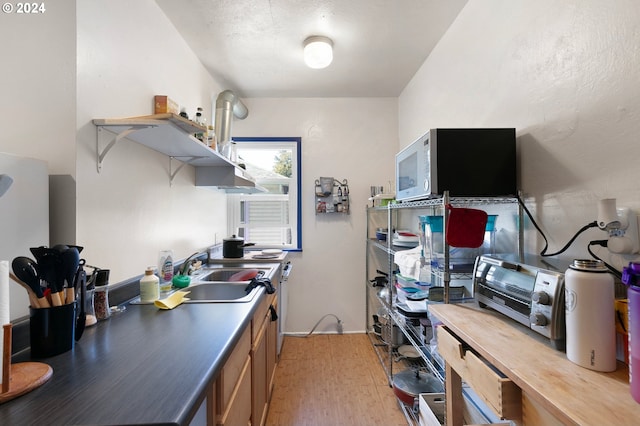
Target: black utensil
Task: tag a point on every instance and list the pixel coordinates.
(70, 260)
(50, 270)
(81, 282)
(26, 270)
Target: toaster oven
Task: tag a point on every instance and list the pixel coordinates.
(531, 292)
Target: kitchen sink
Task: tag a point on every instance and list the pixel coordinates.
(217, 285)
(214, 284)
(221, 292)
(224, 274)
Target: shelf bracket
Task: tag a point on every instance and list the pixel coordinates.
(101, 154)
(183, 162)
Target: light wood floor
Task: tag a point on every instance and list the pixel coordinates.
(332, 380)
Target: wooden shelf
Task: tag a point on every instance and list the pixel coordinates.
(169, 134)
(172, 135)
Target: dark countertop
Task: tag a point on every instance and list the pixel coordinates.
(141, 366)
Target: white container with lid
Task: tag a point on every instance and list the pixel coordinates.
(149, 287)
(590, 315)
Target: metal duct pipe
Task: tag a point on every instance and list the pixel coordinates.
(226, 104)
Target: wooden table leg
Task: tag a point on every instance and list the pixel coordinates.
(453, 397)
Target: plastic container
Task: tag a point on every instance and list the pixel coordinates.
(633, 295)
(460, 259)
(165, 269)
(403, 292)
(149, 287)
(631, 277)
(489, 244)
(590, 315)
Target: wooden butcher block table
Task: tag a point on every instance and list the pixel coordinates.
(522, 377)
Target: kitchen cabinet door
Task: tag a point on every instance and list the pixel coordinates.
(259, 376)
(271, 351)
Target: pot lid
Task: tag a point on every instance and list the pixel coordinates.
(416, 382)
(233, 238)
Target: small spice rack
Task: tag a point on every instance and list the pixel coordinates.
(332, 196)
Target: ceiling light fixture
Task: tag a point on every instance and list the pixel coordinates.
(318, 51)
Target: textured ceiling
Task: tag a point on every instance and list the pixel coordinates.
(254, 47)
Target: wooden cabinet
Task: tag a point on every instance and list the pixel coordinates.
(242, 391)
(259, 379)
(272, 350)
(263, 356)
(233, 386)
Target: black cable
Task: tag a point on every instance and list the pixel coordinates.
(603, 243)
(546, 243)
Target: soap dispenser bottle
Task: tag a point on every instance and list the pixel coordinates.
(165, 269)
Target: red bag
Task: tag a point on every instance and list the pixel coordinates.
(465, 227)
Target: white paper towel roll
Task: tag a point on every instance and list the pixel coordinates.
(4, 305)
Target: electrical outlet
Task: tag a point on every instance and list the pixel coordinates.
(625, 240)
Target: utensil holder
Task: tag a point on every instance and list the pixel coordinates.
(52, 330)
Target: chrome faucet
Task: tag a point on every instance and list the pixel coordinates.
(186, 267)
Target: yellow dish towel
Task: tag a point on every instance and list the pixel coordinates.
(172, 301)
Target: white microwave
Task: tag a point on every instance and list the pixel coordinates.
(466, 162)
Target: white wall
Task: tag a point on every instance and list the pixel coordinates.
(37, 81)
(106, 59)
(353, 139)
(127, 53)
(565, 75)
(37, 120)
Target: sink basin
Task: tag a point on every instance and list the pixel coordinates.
(224, 274)
(211, 284)
(221, 292)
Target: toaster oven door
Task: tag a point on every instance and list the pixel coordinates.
(507, 291)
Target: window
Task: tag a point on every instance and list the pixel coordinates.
(271, 219)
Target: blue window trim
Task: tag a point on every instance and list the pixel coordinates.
(298, 142)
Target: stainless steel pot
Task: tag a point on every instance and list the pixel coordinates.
(389, 332)
(392, 335)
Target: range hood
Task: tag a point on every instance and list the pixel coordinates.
(232, 180)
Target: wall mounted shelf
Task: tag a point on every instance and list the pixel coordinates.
(172, 135)
(332, 197)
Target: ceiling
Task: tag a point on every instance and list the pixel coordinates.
(254, 47)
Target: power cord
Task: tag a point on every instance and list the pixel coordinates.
(603, 243)
(339, 326)
(546, 243)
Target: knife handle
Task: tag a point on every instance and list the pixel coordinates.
(70, 295)
(56, 298)
(43, 302)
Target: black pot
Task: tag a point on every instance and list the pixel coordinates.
(234, 247)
